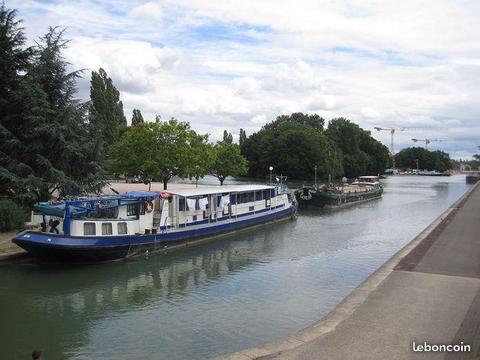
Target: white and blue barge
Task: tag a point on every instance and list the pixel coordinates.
(112, 227)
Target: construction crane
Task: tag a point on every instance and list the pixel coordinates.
(427, 141)
(392, 132)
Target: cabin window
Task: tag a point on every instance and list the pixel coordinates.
(89, 228)
(258, 195)
(104, 214)
(243, 198)
(266, 194)
(181, 204)
(132, 210)
(136, 209)
(106, 228)
(251, 197)
(272, 193)
(122, 228)
(251, 208)
(233, 199)
(194, 218)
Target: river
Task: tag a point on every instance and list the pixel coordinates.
(217, 298)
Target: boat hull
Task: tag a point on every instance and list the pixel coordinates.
(60, 248)
(325, 199)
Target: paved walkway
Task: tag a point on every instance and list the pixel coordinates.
(429, 292)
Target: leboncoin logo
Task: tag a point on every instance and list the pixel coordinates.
(426, 347)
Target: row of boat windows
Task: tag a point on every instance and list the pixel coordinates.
(132, 210)
(89, 228)
(241, 198)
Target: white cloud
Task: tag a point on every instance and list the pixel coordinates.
(259, 119)
(149, 11)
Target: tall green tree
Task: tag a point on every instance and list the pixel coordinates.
(312, 120)
(106, 110)
(227, 137)
(137, 117)
(227, 161)
(242, 137)
(427, 160)
(47, 149)
(15, 60)
(293, 145)
(362, 154)
(201, 157)
(155, 151)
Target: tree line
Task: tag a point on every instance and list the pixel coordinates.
(413, 157)
(295, 144)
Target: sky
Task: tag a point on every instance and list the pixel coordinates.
(223, 64)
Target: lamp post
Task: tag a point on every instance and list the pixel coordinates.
(416, 160)
(271, 169)
(316, 176)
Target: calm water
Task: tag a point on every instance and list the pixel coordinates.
(217, 298)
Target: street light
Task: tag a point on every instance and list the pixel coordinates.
(271, 169)
(316, 176)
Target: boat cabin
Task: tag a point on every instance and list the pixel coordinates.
(140, 212)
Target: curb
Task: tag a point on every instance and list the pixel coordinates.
(349, 304)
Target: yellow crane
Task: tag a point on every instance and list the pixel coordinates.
(427, 141)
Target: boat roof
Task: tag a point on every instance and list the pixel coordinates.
(82, 205)
(218, 190)
(368, 177)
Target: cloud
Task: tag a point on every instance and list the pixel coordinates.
(149, 11)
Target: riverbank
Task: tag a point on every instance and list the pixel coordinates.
(8, 250)
(428, 292)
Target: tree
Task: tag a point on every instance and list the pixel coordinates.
(242, 137)
(293, 150)
(14, 60)
(362, 154)
(106, 110)
(293, 145)
(201, 157)
(227, 137)
(48, 145)
(227, 161)
(155, 151)
(137, 117)
(428, 160)
(313, 120)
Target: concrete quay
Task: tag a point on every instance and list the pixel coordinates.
(428, 292)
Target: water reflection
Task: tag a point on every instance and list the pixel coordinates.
(216, 298)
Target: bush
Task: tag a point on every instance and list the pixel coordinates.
(12, 215)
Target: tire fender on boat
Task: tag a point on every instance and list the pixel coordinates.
(306, 195)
